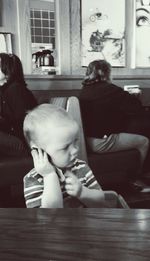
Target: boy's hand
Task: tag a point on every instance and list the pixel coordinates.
(73, 185)
(41, 162)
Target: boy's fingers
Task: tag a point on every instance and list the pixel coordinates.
(40, 153)
(45, 156)
(35, 158)
(68, 187)
(68, 180)
(69, 174)
(34, 153)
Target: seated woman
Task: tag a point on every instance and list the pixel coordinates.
(15, 101)
(106, 109)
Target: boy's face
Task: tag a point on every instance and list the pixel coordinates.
(61, 144)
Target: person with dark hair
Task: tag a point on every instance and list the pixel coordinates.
(106, 109)
(15, 101)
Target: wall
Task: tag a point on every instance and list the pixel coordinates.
(71, 85)
(15, 19)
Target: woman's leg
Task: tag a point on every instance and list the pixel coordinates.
(133, 141)
(11, 145)
(121, 141)
(124, 141)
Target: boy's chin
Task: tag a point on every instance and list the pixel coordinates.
(69, 165)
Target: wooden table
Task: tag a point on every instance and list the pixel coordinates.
(74, 234)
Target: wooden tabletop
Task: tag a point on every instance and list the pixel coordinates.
(74, 234)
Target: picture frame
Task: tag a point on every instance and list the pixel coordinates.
(142, 33)
(103, 32)
(5, 42)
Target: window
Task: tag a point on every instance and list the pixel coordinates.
(43, 27)
(43, 35)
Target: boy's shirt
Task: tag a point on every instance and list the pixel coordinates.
(34, 186)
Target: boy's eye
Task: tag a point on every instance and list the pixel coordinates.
(65, 148)
(76, 141)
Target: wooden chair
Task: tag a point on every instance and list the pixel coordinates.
(113, 200)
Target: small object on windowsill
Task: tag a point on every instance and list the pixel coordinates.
(133, 89)
(50, 70)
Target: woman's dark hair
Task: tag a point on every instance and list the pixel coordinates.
(98, 70)
(11, 66)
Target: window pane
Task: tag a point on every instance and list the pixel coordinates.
(38, 31)
(45, 32)
(32, 31)
(31, 14)
(46, 40)
(37, 14)
(38, 39)
(45, 15)
(45, 23)
(52, 40)
(52, 23)
(51, 15)
(52, 32)
(37, 23)
(32, 22)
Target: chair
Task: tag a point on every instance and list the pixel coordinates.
(113, 200)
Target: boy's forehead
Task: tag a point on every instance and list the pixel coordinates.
(51, 130)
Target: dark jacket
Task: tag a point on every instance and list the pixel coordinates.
(15, 101)
(106, 108)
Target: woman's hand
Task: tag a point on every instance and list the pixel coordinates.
(73, 185)
(41, 163)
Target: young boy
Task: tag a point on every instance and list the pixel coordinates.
(58, 179)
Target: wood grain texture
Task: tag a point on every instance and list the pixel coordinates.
(24, 35)
(73, 108)
(75, 37)
(63, 35)
(72, 235)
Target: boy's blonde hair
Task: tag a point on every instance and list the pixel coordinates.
(42, 117)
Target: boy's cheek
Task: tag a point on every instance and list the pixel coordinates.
(60, 162)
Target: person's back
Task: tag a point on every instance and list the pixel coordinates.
(106, 113)
(106, 107)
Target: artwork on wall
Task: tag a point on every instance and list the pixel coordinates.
(102, 31)
(142, 33)
(5, 43)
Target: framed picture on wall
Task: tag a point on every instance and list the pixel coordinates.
(142, 33)
(5, 43)
(103, 31)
